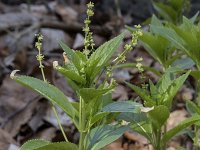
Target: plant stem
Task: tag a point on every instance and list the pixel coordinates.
(196, 138)
(165, 130)
(82, 124)
(158, 145)
(196, 128)
(53, 107)
(55, 113)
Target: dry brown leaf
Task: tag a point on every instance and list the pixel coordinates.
(176, 117)
(52, 38)
(13, 97)
(120, 93)
(68, 14)
(117, 145)
(47, 134)
(5, 140)
(14, 123)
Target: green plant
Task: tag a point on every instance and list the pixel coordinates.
(180, 49)
(166, 53)
(172, 10)
(168, 44)
(185, 38)
(159, 97)
(174, 43)
(94, 110)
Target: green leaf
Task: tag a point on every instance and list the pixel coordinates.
(34, 144)
(143, 94)
(123, 106)
(49, 91)
(138, 123)
(164, 83)
(174, 87)
(105, 51)
(89, 94)
(190, 34)
(184, 37)
(181, 126)
(153, 90)
(99, 59)
(167, 12)
(159, 116)
(72, 56)
(59, 146)
(184, 63)
(169, 34)
(69, 52)
(192, 107)
(155, 21)
(177, 5)
(71, 75)
(46, 145)
(193, 19)
(195, 74)
(132, 117)
(158, 52)
(104, 135)
(144, 128)
(107, 99)
(98, 117)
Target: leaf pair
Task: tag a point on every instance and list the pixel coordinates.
(157, 46)
(184, 37)
(173, 10)
(84, 70)
(163, 92)
(103, 135)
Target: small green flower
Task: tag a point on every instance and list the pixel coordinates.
(90, 5)
(38, 44)
(140, 67)
(139, 59)
(90, 12)
(88, 41)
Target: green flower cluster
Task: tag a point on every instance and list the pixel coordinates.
(140, 68)
(135, 35)
(128, 47)
(38, 45)
(88, 40)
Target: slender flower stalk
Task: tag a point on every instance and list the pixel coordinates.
(140, 68)
(40, 58)
(128, 47)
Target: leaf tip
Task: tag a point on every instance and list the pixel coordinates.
(12, 75)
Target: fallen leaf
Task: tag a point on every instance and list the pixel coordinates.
(120, 93)
(5, 140)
